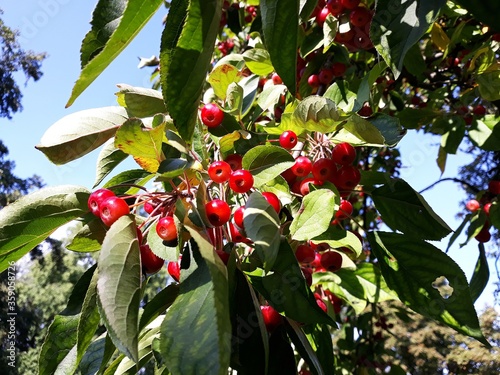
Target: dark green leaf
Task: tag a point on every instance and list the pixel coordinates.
(321, 341)
(315, 215)
(485, 11)
(114, 25)
(481, 275)
(125, 179)
(119, 285)
(304, 347)
(91, 361)
(202, 305)
(389, 127)
(495, 215)
(286, 290)
(427, 280)
(158, 305)
(397, 25)
(185, 59)
(140, 101)
(33, 217)
(458, 231)
(262, 226)
(79, 133)
(404, 209)
(453, 137)
(280, 26)
(281, 355)
(266, 163)
(413, 118)
(108, 159)
(75, 300)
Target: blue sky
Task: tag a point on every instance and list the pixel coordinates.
(58, 26)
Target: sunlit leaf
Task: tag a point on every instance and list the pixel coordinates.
(266, 163)
(140, 101)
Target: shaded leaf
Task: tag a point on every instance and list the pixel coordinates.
(108, 159)
(480, 276)
(485, 133)
(90, 232)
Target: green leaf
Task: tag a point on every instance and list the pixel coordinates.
(234, 99)
(280, 26)
(250, 86)
(453, 137)
(364, 131)
(158, 305)
(329, 31)
(315, 215)
(404, 209)
(119, 285)
(398, 25)
(337, 237)
(202, 305)
(427, 280)
(286, 290)
(485, 133)
(90, 232)
(367, 82)
(91, 361)
(262, 226)
(320, 339)
(317, 113)
(413, 118)
(185, 59)
(114, 26)
(221, 77)
(58, 352)
(459, 230)
(389, 127)
(140, 101)
(304, 347)
(79, 133)
(484, 11)
(481, 274)
(108, 159)
(125, 178)
(144, 144)
(266, 162)
(32, 218)
(341, 96)
(494, 215)
(168, 253)
(258, 61)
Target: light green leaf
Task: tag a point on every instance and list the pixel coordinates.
(280, 26)
(266, 163)
(317, 113)
(167, 253)
(398, 25)
(32, 218)
(258, 61)
(79, 133)
(144, 144)
(262, 226)
(234, 99)
(201, 305)
(114, 26)
(221, 77)
(485, 133)
(315, 215)
(89, 234)
(427, 280)
(329, 31)
(140, 101)
(404, 209)
(119, 285)
(489, 85)
(341, 96)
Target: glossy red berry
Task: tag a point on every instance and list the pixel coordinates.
(271, 317)
(486, 208)
(273, 200)
(344, 38)
(212, 115)
(350, 4)
(149, 207)
(348, 177)
(151, 263)
(288, 139)
(166, 228)
(302, 166)
(338, 69)
(112, 208)
(174, 270)
(238, 217)
(276, 79)
(218, 212)
(241, 181)
(305, 253)
(304, 185)
(366, 110)
(343, 153)
(335, 7)
(325, 76)
(472, 205)
(331, 261)
(484, 234)
(323, 169)
(219, 171)
(479, 110)
(96, 198)
(234, 161)
(494, 187)
(313, 80)
(360, 16)
(321, 16)
(320, 302)
(236, 235)
(344, 211)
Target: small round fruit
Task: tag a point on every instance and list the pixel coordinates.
(151, 263)
(166, 228)
(350, 4)
(288, 139)
(313, 80)
(321, 304)
(273, 200)
(302, 166)
(344, 211)
(343, 153)
(344, 38)
(212, 115)
(149, 207)
(486, 208)
(321, 16)
(494, 187)
(338, 69)
(331, 261)
(479, 110)
(236, 235)
(271, 317)
(484, 234)
(360, 16)
(238, 217)
(325, 76)
(113, 208)
(304, 185)
(241, 181)
(96, 198)
(219, 171)
(335, 7)
(348, 177)
(366, 110)
(323, 169)
(174, 270)
(472, 205)
(218, 212)
(276, 79)
(305, 253)
(234, 160)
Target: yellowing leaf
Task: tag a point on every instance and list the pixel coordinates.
(221, 77)
(439, 37)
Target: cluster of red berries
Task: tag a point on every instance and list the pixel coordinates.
(354, 33)
(469, 114)
(484, 204)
